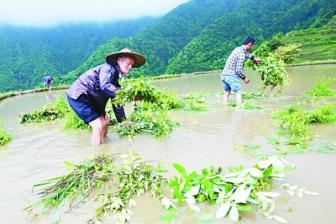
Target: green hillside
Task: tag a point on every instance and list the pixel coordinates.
(166, 37)
(200, 34)
(28, 53)
(209, 50)
(196, 36)
(317, 44)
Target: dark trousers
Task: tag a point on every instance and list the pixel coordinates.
(99, 103)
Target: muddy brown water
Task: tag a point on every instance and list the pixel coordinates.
(38, 151)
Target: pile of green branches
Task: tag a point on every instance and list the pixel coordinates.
(143, 89)
(295, 122)
(134, 178)
(150, 113)
(240, 190)
(272, 69)
(147, 118)
(76, 185)
(49, 112)
(323, 87)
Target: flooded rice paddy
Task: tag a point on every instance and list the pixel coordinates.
(38, 151)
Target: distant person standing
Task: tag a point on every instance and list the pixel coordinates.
(48, 81)
(89, 94)
(233, 70)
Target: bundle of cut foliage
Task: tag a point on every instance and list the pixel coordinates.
(119, 185)
(323, 87)
(49, 112)
(76, 185)
(240, 190)
(295, 122)
(147, 118)
(195, 102)
(134, 178)
(272, 69)
(144, 90)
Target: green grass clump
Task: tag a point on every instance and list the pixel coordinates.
(323, 87)
(246, 105)
(195, 102)
(295, 122)
(49, 112)
(4, 137)
(72, 121)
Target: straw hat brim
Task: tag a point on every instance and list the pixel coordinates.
(139, 59)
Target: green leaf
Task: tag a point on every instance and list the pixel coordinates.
(223, 210)
(268, 172)
(241, 194)
(234, 213)
(180, 169)
(245, 207)
(255, 172)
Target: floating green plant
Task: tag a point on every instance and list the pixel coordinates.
(195, 102)
(146, 119)
(4, 137)
(295, 122)
(241, 190)
(246, 105)
(323, 87)
(236, 192)
(49, 112)
(134, 178)
(77, 185)
(253, 96)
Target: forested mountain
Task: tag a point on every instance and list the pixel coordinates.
(166, 37)
(261, 20)
(200, 34)
(196, 36)
(26, 53)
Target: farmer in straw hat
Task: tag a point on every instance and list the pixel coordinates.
(89, 94)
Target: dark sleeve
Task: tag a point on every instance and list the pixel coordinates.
(105, 82)
(249, 56)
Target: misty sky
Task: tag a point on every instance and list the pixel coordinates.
(53, 12)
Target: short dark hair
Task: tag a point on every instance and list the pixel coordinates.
(248, 40)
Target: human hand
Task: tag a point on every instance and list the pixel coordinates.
(257, 60)
(246, 80)
(126, 124)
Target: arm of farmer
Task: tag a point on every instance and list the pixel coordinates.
(105, 83)
(253, 58)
